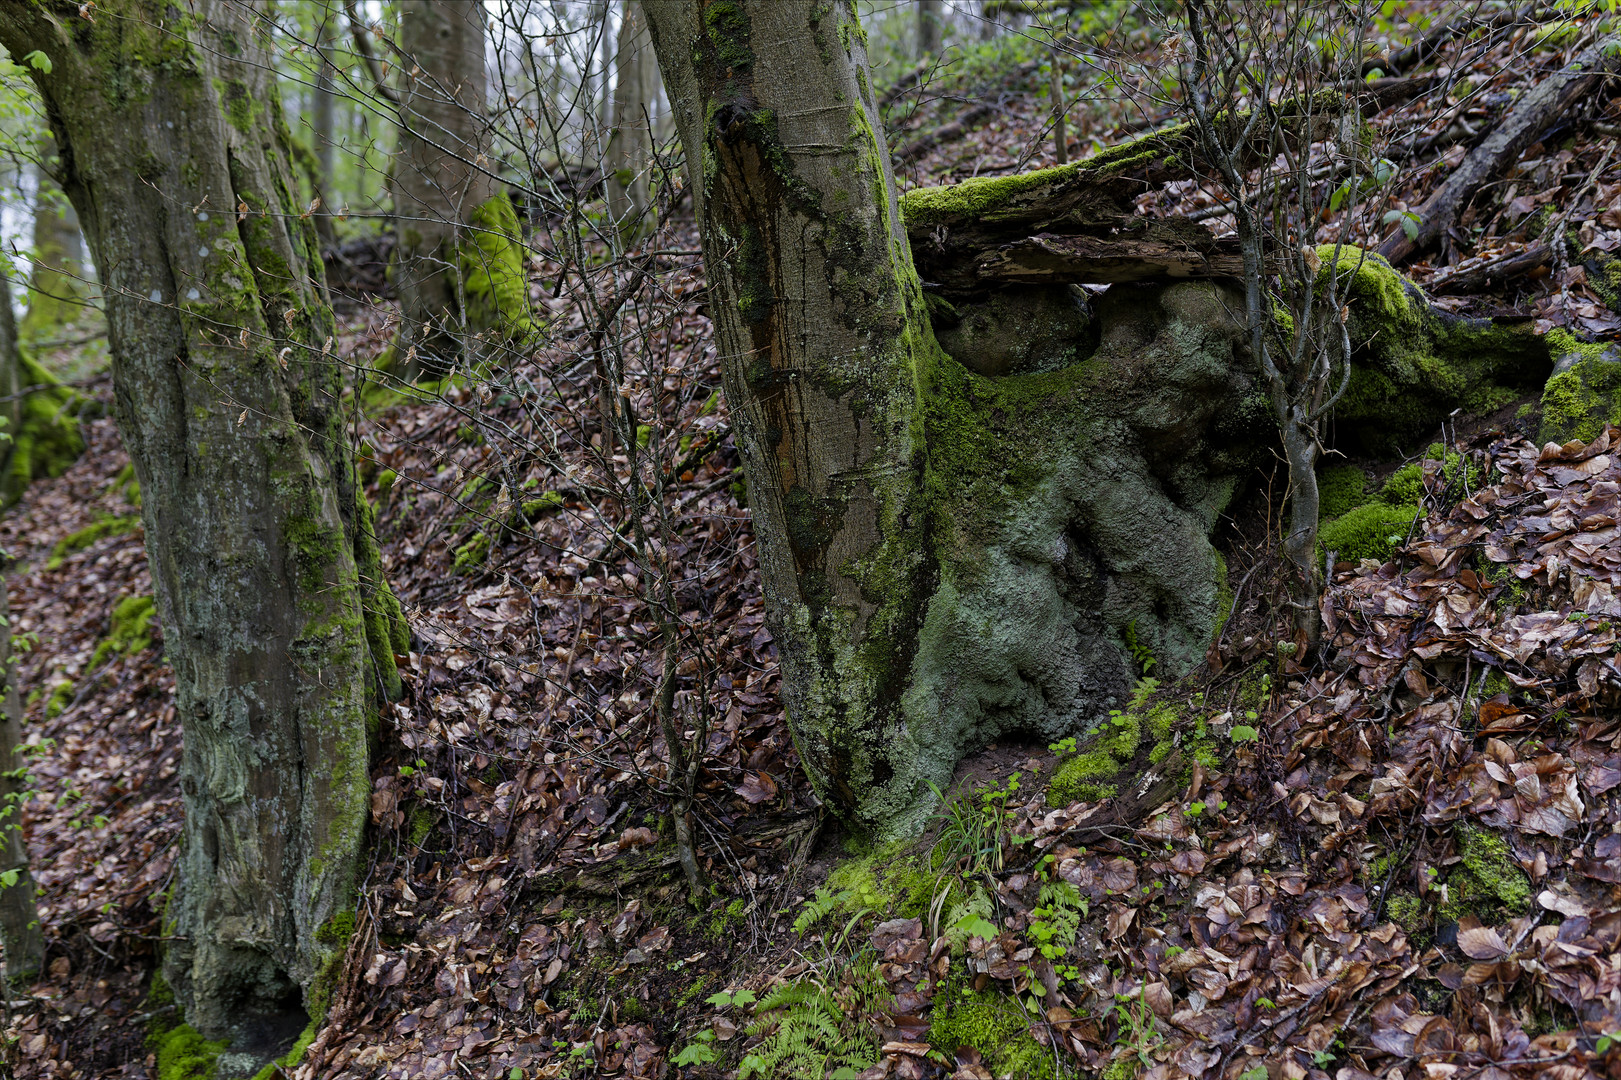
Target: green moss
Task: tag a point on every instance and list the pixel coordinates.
(1406, 911)
(727, 28)
(185, 1055)
(1579, 401)
(978, 197)
(130, 631)
(1489, 882)
(1340, 488)
(99, 530)
(61, 697)
(492, 269)
(995, 1025)
(44, 436)
(1413, 364)
(471, 555)
(422, 821)
(1367, 532)
(1089, 775)
(337, 930)
(548, 501)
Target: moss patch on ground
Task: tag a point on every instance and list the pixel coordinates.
(1091, 774)
(1489, 882)
(185, 1055)
(130, 632)
(99, 530)
(995, 1025)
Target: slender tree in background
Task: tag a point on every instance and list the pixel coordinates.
(630, 142)
(57, 290)
(22, 942)
(323, 111)
(929, 19)
(459, 264)
(280, 628)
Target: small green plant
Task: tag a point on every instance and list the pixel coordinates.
(1243, 733)
(1141, 653)
(699, 1051)
(810, 1032)
(728, 998)
(1139, 1030)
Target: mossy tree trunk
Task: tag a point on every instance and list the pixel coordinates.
(276, 618)
(818, 314)
(22, 941)
(459, 265)
(955, 543)
(57, 290)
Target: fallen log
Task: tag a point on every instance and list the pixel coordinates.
(1529, 117)
(1474, 279)
(1102, 260)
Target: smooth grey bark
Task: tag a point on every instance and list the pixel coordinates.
(275, 616)
(629, 155)
(817, 315)
(929, 16)
(324, 105)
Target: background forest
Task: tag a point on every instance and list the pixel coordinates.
(431, 653)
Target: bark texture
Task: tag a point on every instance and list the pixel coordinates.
(459, 261)
(275, 615)
(952, 546)
(22, 943)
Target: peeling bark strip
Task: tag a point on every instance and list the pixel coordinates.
(275, 616)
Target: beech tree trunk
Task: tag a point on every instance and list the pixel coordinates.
(459, 262)
(630, 143)
(56, 285)
(276, 618)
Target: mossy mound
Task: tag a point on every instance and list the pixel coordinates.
(43, 430)
(1091, 774)
(185, 1055)
(1340, 488)
(130, 631)
(492, 271)
(1584, 393)
(1412, 364)
(1367, 532)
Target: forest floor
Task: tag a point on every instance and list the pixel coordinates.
(1402, 861)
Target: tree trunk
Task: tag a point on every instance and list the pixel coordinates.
(22, 945)
(276, 618)
(630, 145)
(943, 559)
(459, 260)
(323, 109)
(57, 289)
(929, 15)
